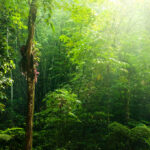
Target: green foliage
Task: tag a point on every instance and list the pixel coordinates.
(100, 50)
(122, 138)
(5, 137)
(6, 65)
(118, 137)
(60, 112)
(60, 104)
(12, 138)
(62, 99)
(140, 137)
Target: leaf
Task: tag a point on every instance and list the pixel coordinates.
(5, 137)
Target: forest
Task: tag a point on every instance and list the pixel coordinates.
(74, 74)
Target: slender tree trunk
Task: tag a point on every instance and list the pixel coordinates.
(127, 105)
(12, 89)
(108, 93)
(30, 74)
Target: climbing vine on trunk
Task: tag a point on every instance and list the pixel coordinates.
(30, 74)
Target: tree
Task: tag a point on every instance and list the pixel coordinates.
(31, 71)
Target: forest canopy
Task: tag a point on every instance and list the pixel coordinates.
(74, 74)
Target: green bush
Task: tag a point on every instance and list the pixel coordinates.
(140, 137)
(118, 137)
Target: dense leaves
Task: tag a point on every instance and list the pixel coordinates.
(93, 88)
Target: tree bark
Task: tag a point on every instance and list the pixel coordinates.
(30, 74)
(127, 106)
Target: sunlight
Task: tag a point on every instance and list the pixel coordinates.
(114, 1)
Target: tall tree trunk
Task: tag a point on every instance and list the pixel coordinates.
(127, 105)
(30, 74)
(108, 93)
(11, 90)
